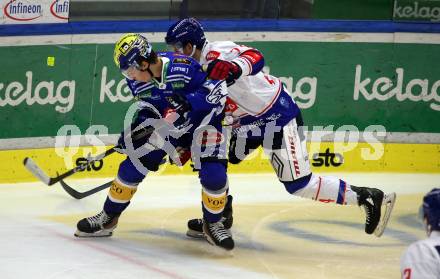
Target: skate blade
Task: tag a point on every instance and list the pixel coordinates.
(195, 234)
(103, 233)
(218, 251)
(389, 201)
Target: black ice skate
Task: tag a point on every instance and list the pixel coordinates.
(372, 200)
(217, 235)
(100, 225)
(195, 226)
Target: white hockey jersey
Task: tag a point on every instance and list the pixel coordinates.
(251, 94)
(422, 259)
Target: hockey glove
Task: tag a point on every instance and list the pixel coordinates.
(223, 70)
(138, 138)
(178, 112)
(138, 133)
(184, 155)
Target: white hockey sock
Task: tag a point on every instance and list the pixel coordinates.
(328, 189)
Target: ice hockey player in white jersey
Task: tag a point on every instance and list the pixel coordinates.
(422, 258)
(262, 113)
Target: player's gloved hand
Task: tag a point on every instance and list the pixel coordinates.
(136, 137)
(139, 131)
(178, 112)
(178, 120)
(223, 70)
(179, 103)
(184, 154)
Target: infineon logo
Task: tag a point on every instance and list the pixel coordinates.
(22, 10)
(60, 9)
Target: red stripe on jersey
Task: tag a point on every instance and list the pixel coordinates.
(252, 55)
(319, 189)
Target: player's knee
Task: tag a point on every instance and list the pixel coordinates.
(213, 175)
(129, 173)
(297, 184)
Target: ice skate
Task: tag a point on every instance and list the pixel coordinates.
(195, 226)
(388, 203)
(217, 235)
(371, 200)
(99, 225)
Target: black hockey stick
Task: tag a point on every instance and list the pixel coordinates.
(79, 195)
(31, 166)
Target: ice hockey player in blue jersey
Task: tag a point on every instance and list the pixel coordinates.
(170, 89)
(262, 113)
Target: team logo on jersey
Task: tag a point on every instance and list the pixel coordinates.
(178, 85)
(212, 55)
(216, 94)
(143, 94)
(181, 61)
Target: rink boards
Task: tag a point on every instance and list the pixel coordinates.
(324, 157)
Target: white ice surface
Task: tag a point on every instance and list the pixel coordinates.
(31, 247)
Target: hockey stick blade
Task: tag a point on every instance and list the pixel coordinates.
(41, 175)
(31, 166)
(388, 202)
(80, 195)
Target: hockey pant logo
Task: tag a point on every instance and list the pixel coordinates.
(291, 162)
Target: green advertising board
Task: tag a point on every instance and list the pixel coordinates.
(335, 83)
(353, 9)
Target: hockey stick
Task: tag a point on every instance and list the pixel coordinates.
(31, 166)
(80, 195)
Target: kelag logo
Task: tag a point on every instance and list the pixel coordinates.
(60, 9)
(22, 10)
(327, 159)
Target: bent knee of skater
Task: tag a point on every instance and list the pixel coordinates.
(297, 184)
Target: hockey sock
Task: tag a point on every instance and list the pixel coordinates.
(213, 204)
(119, 196)
(328, 189)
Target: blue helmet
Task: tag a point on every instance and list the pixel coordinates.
(431, 208)
(184, 31)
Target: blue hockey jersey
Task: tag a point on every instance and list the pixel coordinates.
(183, 76)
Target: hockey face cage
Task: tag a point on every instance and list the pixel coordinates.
(127, 69)
(175, 47)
